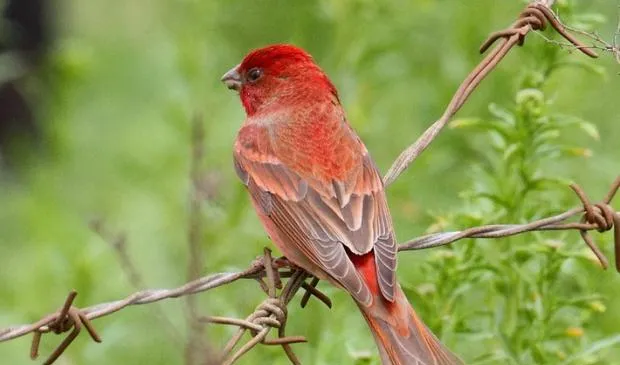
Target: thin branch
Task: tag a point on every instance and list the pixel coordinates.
(196, 347)
(118, 242)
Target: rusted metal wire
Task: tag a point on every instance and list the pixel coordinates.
(534, 17)
(268, 272)
(600, 216)
(66, 318)
(598, 43)
(271, 313)
(70, 318)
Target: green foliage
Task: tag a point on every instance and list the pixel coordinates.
(124, 81)
(522, 300)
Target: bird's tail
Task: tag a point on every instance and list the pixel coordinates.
(402, 338)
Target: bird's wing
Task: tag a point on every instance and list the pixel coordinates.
(326, 221)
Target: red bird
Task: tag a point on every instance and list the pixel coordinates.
(320, 197)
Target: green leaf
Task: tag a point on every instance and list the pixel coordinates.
(576, 151)
(511, 151)
(501, 113)
(531, 95)
(549, 183)
(465, 122)
(590, 129)
(481, 124)
(547, 136)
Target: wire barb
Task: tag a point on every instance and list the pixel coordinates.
(66, 318)
(533, 17)
(312, 290)
(600, 216)
(271, 313)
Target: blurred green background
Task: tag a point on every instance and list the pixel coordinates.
(117, 97)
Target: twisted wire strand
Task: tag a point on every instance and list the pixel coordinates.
(534, 17)
(272, 312)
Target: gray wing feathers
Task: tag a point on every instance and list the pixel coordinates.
(355, 216)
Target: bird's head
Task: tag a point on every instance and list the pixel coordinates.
(279, 73)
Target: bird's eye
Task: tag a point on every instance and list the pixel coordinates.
(254, 74)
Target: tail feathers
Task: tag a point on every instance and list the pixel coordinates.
(402, 338)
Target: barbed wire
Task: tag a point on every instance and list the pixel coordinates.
(534, 17)
(272, 312)
(599, 216)
(268, 272)
(598, 43)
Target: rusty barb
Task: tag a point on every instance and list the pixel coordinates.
(271, 313)
(598, 216)
(535, 17)
(269, 272)
(602, 217)
(67, 318)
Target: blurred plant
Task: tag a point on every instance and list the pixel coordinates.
(536, 306)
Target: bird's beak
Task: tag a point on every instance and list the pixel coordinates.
(232, 79)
